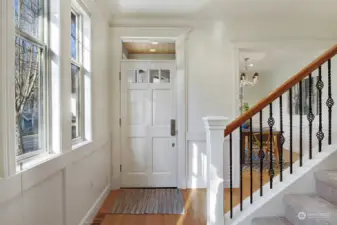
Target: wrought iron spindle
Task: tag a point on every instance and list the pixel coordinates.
(301, 123)
(241, 162)
(310, 116)
(319, 86)
(251, 159)
(261, 155)
(271, 123)
(231, 174)
(291, 129)
(329, 101)
(282, 139)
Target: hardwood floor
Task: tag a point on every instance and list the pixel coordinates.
(195, 205)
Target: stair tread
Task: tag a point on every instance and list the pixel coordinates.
(271, 221)
(327, 176)
(313, 206)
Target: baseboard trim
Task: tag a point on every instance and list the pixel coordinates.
(89, 217)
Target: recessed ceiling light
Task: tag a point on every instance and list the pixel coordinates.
(155, 42)
(251, 65)
(153, 50)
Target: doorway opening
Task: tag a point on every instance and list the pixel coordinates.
(149, 114)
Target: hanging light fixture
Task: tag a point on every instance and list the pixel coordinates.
(243, 77)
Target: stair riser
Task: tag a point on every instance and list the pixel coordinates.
(327, 192)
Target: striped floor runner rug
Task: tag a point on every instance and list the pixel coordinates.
(149, 201)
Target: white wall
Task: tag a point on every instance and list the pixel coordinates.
(210, 92)
(62, 190)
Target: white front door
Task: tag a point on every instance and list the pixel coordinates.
(149, 152)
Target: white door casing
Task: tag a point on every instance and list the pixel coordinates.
(149, 151)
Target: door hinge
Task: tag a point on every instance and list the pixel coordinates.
(120, 122)
(120, 168)
(120, 75)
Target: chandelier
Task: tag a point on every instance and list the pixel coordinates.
(243, 78)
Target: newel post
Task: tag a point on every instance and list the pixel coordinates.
(215, 126)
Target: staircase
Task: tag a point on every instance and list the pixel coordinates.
(313, 209)
(227, 144)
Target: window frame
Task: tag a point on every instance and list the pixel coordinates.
(79, 63)
(42, 43)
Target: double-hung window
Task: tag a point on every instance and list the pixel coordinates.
(77, 78)
(30, 78)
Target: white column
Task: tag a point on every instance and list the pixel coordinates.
(215, 127)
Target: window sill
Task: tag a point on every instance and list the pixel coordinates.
(29, 163)
(80, 144)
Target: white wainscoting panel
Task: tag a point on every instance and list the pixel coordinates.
(61, 191)
(43, 203)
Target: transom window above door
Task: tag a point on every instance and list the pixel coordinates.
(149, 76)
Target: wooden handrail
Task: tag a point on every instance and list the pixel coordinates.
(281, 90)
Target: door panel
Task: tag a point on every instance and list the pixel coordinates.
(162, 150)
(137, 107)
(135, 168)
(149, 153)
(162, 106)
(137, 153)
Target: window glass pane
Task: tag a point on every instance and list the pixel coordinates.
(16, 11)
(28, 14)
(74, 38)
(142, 76)
(75, 101)
(154, 76)
(28, 97)
(132, 76)
(165, 76)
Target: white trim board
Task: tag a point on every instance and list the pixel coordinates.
(179, 35)
(90, 216)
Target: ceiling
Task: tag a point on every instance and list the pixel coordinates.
(210, 8)
(144, 48)
(243, 19)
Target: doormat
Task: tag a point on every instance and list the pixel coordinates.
(149, 201)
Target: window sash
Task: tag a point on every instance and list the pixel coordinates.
(43, 131)
(79, 63)
(39, 42)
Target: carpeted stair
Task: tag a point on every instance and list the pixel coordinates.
(309, 209)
